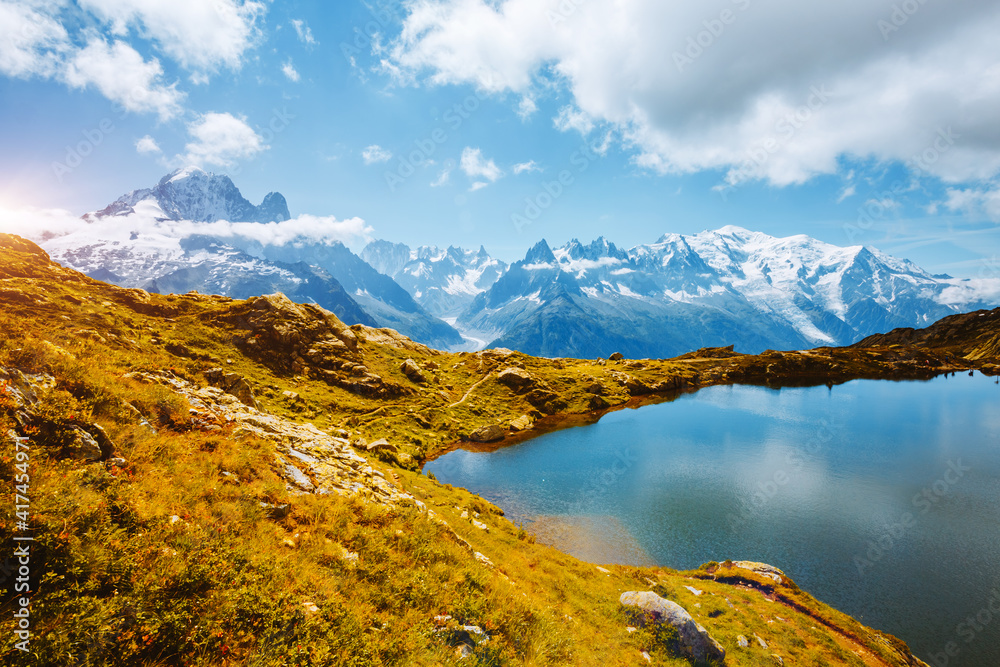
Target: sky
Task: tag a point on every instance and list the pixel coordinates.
(501, 122)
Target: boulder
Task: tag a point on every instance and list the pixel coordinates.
(412, 371)
(598, 403)
(522, 423)
(617, 356)
(84, 447)
(233, 384)
(763, 569)
(381, 445)
(490, 433)
(102, 439)
(515, 378)
(276, 511)
(694, 642)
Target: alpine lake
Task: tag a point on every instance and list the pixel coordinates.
(879, 498)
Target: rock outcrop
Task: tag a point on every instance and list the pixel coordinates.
(489, 433)
(694, 642)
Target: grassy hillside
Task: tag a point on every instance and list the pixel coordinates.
(240, 509)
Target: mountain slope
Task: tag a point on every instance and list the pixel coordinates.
(730, 286)
(195, 231)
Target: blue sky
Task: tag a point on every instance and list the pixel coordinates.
(659, 117)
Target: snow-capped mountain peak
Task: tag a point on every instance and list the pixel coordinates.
(721, 287)
(193, 194)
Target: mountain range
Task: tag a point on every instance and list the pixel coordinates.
(723, 287)
(195, 231)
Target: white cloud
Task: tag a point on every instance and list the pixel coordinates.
(147, 145)
(848, 192)
(523, 167)
(885, 204)
(476, 166)
(526, 108)
(879, 98)
(573, 119)
(40, 225)
(119, 72)
(289, 71)
(478, 185)
(221, 139)
(442, 178)
(31, 43)
(201, 36)
(375, 154)
(976, 201)
(303, 31)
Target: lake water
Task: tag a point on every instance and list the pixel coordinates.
(879, 498)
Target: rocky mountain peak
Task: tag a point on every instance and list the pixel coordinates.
(194, 194)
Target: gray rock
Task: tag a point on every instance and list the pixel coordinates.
(84, 447)
(742, 641)
(515, 378)
(233, 384)
(694, 641)
(412, 371)
(490, 433)
(299, 478)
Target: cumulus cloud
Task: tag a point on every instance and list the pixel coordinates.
(36, 41)
(375, 154)
(119, 72)
(31, 42)
(478, 185)
(476, 166)
(780, 91)
(303, 31)
(289, 71)
(221, 139)
(201, 36)
(147, 145)
(976, 201)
